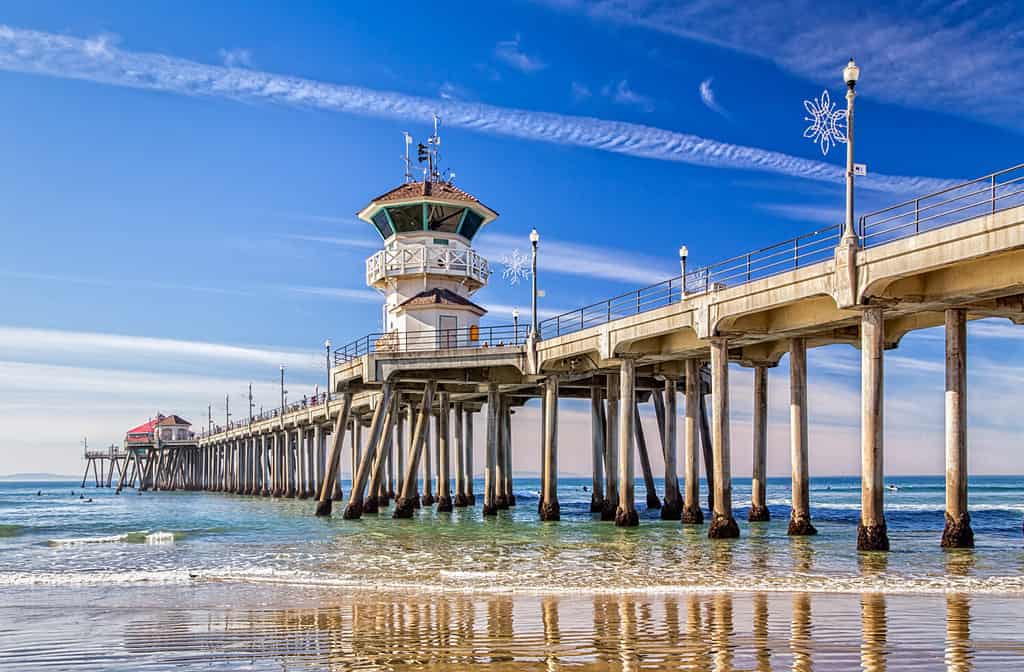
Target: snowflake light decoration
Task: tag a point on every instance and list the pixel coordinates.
(517, 267)
(828, 125)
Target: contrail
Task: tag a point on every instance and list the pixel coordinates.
(98, 60)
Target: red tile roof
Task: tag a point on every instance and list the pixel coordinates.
(174, 420)
(440, 296)
(440, 190)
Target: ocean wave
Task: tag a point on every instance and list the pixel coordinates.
(11, 530)
(136, 537)
(87, 578)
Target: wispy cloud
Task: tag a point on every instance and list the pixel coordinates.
(49, 54)
(235, 58)
(895, 44)
(583, 260)
(707, 96)
(361, 243)
(622, 93)
(820, 214)
(364, 295)
(510, 52)
(119, 283)
(580, 91)
(449, 91)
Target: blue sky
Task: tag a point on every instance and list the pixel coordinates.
(180, 182)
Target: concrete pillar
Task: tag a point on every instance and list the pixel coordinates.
(800, 516)
(958, 532)
(357, 446)
(490, 487)
(354, 509)
(275, 465)
(428, 476)
(500, 482)
(460, 455)
(400, 448)
(611, 451)
(318, 459)
(543, 462)
(289, 464)
(405, 505)
(653, 501)
(444, 480)
(666, 409)
(872, 534)
(388, 491)
(723, 525)
(550, 509)
(510, 495)
(265, 485)
(376, 495)
(596, 450)
(468, 444)
(625, 513)
(302, 463)
(758, 495)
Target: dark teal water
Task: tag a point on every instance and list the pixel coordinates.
(209, 581)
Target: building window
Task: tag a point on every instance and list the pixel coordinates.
(407, 218)
(471, 224)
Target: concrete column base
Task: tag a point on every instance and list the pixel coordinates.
(338, 496)
(692, 515)
(723, 527)
(323, 509)
(653, 501)
(758, 514)
(490, 509)
(626, 518)
(501, 501)
(301, 494)
(958, 532)
(353, 511)
(427, 500)
(608, 512)
(444, 504)
(390, 496)
(872, 537)
(800, 526)
(404, 508)
(511, 499)
(371, 504)
(550, 511)
(460, 500)
(672, 509)
(596, 503)
(470, 500)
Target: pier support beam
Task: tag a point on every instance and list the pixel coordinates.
(506, 424)
(665, 407)
(302, 453)
(625, 513)
(872, 534)
(611, 452)
(800, 515)
(958, 532)
(327, 488)
(490, 487)
(354, 509)
(400, 450)
(444, 480)
(723, 525)
(597, 450)
(460, 455)
(692, 513)
(468, 446)
(653, 501)
(550, 509)
(406, 503)
(428, 476)
(758, 496)
(500, 460)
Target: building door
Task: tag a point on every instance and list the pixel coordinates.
(447, 336)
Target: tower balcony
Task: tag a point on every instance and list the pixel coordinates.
(450, 261)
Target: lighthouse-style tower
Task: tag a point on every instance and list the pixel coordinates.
(428, 268)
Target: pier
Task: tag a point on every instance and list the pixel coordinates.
(405, 400)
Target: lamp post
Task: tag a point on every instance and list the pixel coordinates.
(851, 73)
(515, 326)
(327, 347)
(282, 389)
(683, 252)
(534, 239)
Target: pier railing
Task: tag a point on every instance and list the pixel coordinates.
(985, 195)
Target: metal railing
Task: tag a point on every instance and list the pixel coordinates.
(985, 195)
(405, 259)
(440, 339)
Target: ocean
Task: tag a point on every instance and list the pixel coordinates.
(183, 580)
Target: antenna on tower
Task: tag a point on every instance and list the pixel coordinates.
(408, 161)
(435, 152)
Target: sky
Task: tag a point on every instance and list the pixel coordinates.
(179, 183)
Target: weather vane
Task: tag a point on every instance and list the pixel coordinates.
(828, 125)
(517, 267)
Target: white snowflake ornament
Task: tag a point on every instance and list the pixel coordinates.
(828, 125)
(517, 267)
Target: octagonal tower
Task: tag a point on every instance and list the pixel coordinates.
(428, 268)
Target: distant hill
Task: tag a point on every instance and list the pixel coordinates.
(37, 476)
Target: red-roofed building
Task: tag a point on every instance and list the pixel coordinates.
(166, 427)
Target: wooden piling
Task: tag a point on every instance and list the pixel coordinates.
(723, 525)
(872, 534)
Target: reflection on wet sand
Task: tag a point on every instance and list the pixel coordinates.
(720, 632)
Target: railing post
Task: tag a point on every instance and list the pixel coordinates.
(993, 193)
(581, 318)
(748, 266)
(558, 325)
(609, 310)
(796, 253)
(638, 300)
(917, 215)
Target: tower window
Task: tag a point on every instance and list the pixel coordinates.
(470, 224)
(407, 218)
(380, 220)
(444, 217)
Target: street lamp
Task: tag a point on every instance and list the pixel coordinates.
(683, 252)
(282, 389)
(534, 239)
(327, 346)
(851, 73)
(515, 326)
